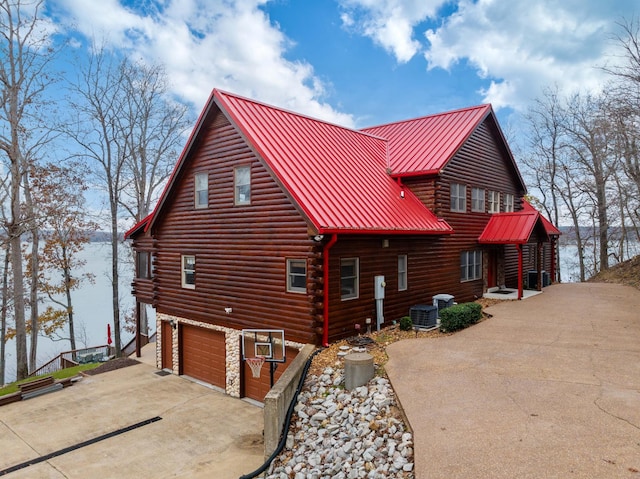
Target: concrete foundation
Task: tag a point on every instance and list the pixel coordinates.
(358, 370)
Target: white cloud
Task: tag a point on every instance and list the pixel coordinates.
(390, 23)
(230, 45)
(523, 46)
(519, 46)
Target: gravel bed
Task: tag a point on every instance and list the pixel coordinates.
(343, 434)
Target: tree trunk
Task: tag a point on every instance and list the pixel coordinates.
(115, 279)
(35, 326)
(3, 317)
(67, 287)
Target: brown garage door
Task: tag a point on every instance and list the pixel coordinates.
(202, 353)
(257, 388)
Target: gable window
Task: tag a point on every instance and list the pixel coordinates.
(458, 197)
(297, 275)
(143, 270)
(242, 185)
(508, 202)
(470, 265)
(349, 278)
(201, 181)
(477, 199)
(402, 272)
(494, 202)
(188, 271)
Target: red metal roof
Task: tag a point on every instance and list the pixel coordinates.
(139, 226)
(509, 228)
(337, 176)
(548, 225)
(425, 145)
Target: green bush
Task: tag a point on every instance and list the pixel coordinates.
(406, 324)
(460, 316)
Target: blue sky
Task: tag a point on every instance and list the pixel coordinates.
(361, 62)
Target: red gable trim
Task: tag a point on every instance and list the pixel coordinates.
(139, 226)
(548, 225)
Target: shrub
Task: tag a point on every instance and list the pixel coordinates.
(406, 324)
(460, 316)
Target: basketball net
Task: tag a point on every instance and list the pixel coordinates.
(256, 365)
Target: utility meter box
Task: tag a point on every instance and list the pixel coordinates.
(379, 286)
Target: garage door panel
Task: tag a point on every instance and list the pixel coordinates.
(257, 388)
(203, 354)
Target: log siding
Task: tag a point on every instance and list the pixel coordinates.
(240, 250)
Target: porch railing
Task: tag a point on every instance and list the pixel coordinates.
(74, 357)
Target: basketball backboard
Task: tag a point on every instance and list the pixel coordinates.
(268, 343)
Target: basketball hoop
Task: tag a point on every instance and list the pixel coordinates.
(256, 365)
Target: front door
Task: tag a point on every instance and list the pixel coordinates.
(492, 269)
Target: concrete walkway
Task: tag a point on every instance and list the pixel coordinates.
(202, 434)
(549, 387)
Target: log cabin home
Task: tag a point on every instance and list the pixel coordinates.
(275, 220)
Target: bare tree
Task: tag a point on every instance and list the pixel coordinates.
(26, 55)
(547, 154)
(129, 128)
(98, 102)
(156, 126)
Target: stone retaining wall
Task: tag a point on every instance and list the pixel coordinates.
(277, 401)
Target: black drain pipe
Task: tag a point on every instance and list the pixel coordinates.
(287, 422)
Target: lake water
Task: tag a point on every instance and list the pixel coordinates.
(92, 307)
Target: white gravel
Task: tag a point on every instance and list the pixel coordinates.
(343, 434)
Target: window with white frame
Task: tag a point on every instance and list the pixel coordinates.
(477, 200)
(494, 202)
(188, 271)
(470, 265)
(349, 278)
(297, 275)
(508, 202)
(458, 197)
(201, 181)
(402, 272)
(242, 185)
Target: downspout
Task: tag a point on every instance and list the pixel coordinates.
(519, 248)
(325, 304)
(553, 260)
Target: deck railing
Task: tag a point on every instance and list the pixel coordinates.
(74, 357)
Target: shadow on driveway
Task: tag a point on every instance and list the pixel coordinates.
(202, 433)
(548, 387)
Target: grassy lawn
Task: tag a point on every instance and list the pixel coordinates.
(64, 373)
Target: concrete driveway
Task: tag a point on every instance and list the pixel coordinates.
(202, 433)
(549, 387)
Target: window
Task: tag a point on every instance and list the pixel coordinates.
(402, 272)
(349, 278)
(243, 185)
(470, 265)
(508, 202)
(189, 272)
(201, 181)
(297, 275)
(142, 265)
(494, 202)
(477, 199)
(458, 197)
